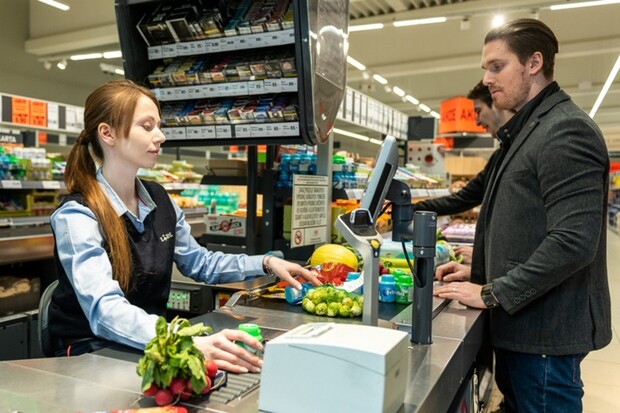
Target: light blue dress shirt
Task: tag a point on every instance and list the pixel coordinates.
(111, 316)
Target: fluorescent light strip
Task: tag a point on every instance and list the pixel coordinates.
(606, 86)
(115, 54)
(424, 107)
(419, 22)
(55, 4)
(375, 141)
(435, 114)
(380, 79)
(365, 27)
(351, 134)
(412, 100)
(356, 64)
(398, 91)
(86, 56)
(583, 4)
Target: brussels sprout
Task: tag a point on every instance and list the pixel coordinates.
(356, 310)
(348, 301)
(332, 309)
(321, 309)
(344, 311)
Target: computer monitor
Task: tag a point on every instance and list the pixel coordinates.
(386, 164)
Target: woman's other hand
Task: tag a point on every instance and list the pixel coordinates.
(221, 348)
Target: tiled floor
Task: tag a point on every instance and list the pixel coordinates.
(600, 371)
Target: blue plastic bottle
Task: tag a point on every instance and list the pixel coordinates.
(387, 288)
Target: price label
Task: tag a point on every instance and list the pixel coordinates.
(272, 85)
(288, 85)
(11, 184)
(200, 132)
(258, 41)
(155, 52)
(242, 131)
(213, 45)
(38, 113)
(50, 184)
(184, 49)
(290, 129)
(258, 131)
(289, 36)
(256, 87)
(243, 42)
(20, 110)
(169, 50)
(272, 39)
(167, 94)
(228, 44)
(223, 131)
(198, 47)
(176, 133)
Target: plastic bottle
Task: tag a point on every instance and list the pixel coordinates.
(387, 288)
(352, 276)
(404, 288)
(254, 331)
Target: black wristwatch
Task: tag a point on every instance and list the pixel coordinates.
(488, 298)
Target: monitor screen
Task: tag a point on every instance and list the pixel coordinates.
(386, 164)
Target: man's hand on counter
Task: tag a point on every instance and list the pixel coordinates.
(453, 271)
(286, 271)
(464, 292)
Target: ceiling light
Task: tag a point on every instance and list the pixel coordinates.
(412, 100)
(111, 69)
(86, 56)
(356, 64)
(498, 21)
(418, 22)
(56, 4)
(583, 4)
(62, 65)
(375, 141)
(398, 91)
(115, 54)
(465, 24)
(47, 65)
(423, 107)
(387, 88)
(435, 115)
(351, 134)
(365, 75)
(606, 86)
(380, 79)
(365, 27)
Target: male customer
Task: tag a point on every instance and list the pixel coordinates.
(471, 194)
(540, 250)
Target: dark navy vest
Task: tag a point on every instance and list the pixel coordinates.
(152, 257)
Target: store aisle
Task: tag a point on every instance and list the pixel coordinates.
(601, 369)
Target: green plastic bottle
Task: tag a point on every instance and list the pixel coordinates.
(404, 288)
(254, 331)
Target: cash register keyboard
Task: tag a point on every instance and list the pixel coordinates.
(238, 385)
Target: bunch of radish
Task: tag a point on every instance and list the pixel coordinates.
(172, 367)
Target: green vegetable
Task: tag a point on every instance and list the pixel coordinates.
(172, 354)
(333, 302)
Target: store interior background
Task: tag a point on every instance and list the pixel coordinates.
(428, 62)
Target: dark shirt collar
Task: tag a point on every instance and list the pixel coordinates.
(511, 129)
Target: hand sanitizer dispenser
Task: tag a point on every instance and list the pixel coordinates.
(329, 367)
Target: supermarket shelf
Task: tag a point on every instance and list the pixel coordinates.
(13, 184)
(223, 44)
(236, 132)
(357, 193)
(227, 89)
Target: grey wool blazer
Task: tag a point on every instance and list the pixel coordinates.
(541, 236)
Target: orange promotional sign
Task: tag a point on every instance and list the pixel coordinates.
(20, 110)
(38, 113)
(458, 115)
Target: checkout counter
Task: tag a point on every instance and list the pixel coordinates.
(439, 378)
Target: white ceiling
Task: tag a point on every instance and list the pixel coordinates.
(432, 62)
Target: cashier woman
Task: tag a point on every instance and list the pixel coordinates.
(116, 238)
